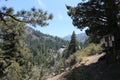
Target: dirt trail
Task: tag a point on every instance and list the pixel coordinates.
(93, 59)
(88, 60)
(57, 76)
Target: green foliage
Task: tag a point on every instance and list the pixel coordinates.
(73, 46)
(92, 49)
(14, 54)
(98, 15)
(42, 45)
(100, 19)
(80, 55)
(33, 17)
(71, 60)
(34, 74)
(13, 72)
(42, 41)
(15, 61)
(44, 53)
(65, 54)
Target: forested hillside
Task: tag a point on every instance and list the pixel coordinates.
(42, 43)
(28, 54)
(44, 48)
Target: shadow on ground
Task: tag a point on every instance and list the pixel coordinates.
(96, 71)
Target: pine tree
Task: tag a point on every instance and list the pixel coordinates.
(72, 45)
(101, 17)
(14, 50)
(33, 17)
(14, 53)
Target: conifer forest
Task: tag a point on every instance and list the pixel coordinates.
(56, 40)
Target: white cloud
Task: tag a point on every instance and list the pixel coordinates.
(60, 17)
(42, 5)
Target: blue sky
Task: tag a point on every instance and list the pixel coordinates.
(61, 25)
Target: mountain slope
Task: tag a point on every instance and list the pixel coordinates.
(94, 68)
(89, 60)
(80, 37)
(39, 42)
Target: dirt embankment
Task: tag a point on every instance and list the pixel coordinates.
(86, 62)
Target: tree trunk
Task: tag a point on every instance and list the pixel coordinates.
(111, 12)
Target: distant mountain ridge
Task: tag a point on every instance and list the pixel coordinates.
(80, 37)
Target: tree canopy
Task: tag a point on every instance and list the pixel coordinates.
(14, 54)
(73, 44)
(100, 16)
(33, 16)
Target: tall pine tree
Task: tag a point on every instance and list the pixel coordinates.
(73, 47)
(14, 53)
(14, 50)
